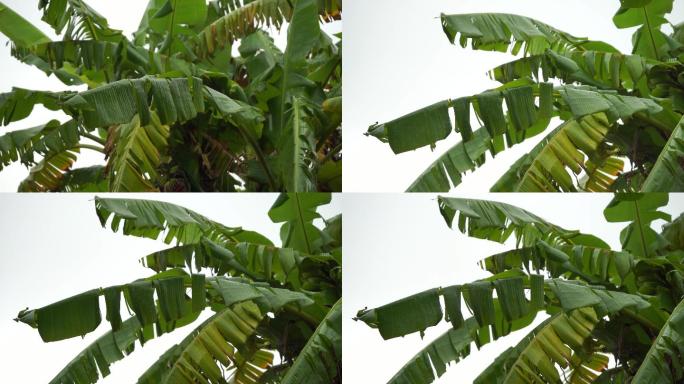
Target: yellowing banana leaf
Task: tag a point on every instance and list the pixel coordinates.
(137, 153)
(245, 17)
(48, 173)
(553, 344)
(221, 343)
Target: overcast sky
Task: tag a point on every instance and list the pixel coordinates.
(121, 14)
(53, 247)
(397, 60)
(397, 245)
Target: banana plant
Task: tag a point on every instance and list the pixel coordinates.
(174, 107)
(621, 112)
(625, 304)
(266, 301)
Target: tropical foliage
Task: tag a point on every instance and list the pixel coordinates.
(622, 126)
(266, 301)
(198, 99)
(627, 304)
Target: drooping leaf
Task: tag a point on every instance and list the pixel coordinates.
(451, 346)
(148, 218)
(74, 316)
(18, 29)
(497, 32)
(79, 18)
(523, 119)
(177, 99)
(100, 355)
(159, 300)
(604, 70)
(256, 261)
(417, 129)
(497, 221)
(420, 311)
(48, 138)
(18, 104)
(85, 61)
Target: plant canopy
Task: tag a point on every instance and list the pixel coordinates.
(265, 301)
(199, 98)
(625, 304)
(621, 112)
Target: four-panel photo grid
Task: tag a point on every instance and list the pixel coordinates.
(459, 266)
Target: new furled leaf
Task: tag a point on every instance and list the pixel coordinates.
(298, 150)
(95, 361)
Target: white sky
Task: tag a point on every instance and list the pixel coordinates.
(53, 247)
(397, 245)
(121, 14)
(397, 60)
